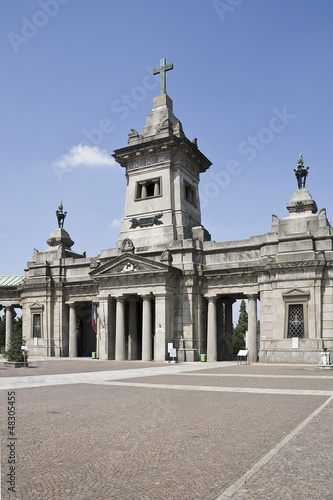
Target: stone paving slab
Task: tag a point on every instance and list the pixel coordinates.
(323, 384)
(122, 434)
(262, 369)
(303, 469)
(55, 366)
(120, 371)
(106, 442)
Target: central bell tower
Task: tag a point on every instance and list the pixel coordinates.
(162, 170)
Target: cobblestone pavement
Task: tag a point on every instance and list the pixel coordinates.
(147, 431)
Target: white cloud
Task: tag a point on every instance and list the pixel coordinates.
(86, 156)
(116, 222)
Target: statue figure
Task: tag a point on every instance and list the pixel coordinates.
(301, 172)
(61, 215)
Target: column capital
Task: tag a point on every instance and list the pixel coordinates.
(252, 296)
(120, 298)
(211, 297)
(146, 296)
(7, 305)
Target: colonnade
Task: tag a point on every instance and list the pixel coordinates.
(123, 335)
(117, 334)
(212, 330)
(9, 322)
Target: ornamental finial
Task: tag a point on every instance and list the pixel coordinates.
(301, 172)
(61, 215)
(162, 70)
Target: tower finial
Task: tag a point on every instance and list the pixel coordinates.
(61, 215)
(301, 172)
(162, 70)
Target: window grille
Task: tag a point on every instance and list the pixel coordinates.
(37, 333)
(296, 321)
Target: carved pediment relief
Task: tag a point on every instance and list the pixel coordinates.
(128, 264)
(127, 246)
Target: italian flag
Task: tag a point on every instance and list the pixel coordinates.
(94, 317)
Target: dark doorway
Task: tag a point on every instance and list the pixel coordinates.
(86, 337)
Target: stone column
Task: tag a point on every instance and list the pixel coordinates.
(252, 343)
(211, 330)
(156, 188)
(202, 325)
(103, 313)
(132, 330)
(229, 354)
(112, 328)
(72, 331)
(220, 326)
(164, 323)
(9, 325)
(120, 329)
(146, 329)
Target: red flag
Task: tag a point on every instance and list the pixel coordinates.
(94, 317)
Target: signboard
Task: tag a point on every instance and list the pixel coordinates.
(170, 346)
(243, 352)
(103, 331)
(294, 342)
(173, 353)
(159, 330)
(264, 336)
(24, 348)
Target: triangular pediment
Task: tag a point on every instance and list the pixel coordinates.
(296, 292)
(128, 264)
(36, 307)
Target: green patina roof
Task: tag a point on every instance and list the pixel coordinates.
(11, 280)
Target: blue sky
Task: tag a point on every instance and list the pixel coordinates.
(252, 80)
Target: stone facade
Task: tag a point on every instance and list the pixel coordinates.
(166, 281)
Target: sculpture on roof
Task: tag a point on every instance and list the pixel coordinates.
(61, 215)
(301, 172)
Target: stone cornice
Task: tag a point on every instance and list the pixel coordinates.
(124, 155)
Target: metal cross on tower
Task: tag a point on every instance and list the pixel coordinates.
(162, 70)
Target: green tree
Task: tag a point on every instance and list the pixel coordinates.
(240, 329)
(14, 352)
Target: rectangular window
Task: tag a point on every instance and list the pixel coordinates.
(148, 189)
(296, 321)
(190, 193)
(37, 327)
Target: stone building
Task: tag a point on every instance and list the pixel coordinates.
(167, 282)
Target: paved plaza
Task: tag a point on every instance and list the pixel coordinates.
(89, 429)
